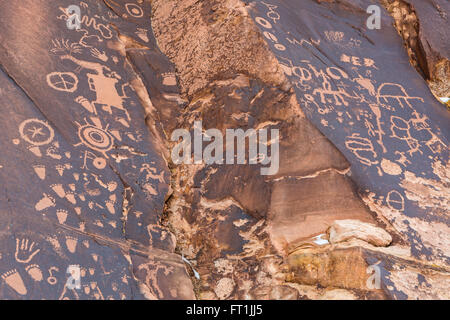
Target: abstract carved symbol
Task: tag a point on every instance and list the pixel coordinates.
(63, 81)
(36, 132)
(396, 92)
(362, 148)
(134, 10)
(95, 137)
(24, 250)
(52, 280)
(395, 201)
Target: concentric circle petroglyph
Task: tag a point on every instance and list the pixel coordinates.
(95, 138)
(134, 10)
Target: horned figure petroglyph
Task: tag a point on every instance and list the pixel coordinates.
(103, 83)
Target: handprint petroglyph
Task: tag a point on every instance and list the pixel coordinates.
(25, 250)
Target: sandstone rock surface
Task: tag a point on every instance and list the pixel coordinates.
(343, 230)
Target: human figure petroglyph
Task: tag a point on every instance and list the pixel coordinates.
(103, 83)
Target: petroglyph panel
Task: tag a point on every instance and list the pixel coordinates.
(85, 180)
(376, 110)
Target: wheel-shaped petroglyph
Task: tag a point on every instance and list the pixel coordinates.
(63, 81)
(95, 137)
(36, 132)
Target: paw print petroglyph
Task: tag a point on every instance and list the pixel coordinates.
(25, 250)
(34, 271)
(15, 281)
(46, 202)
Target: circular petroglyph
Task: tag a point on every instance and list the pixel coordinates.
(36, 132)
(63, 81)
(96, 138)
(99, 163)
(134, 10)
(395, 201)
(263, 22)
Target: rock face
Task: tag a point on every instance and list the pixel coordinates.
(343, 230)
(358, 208)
